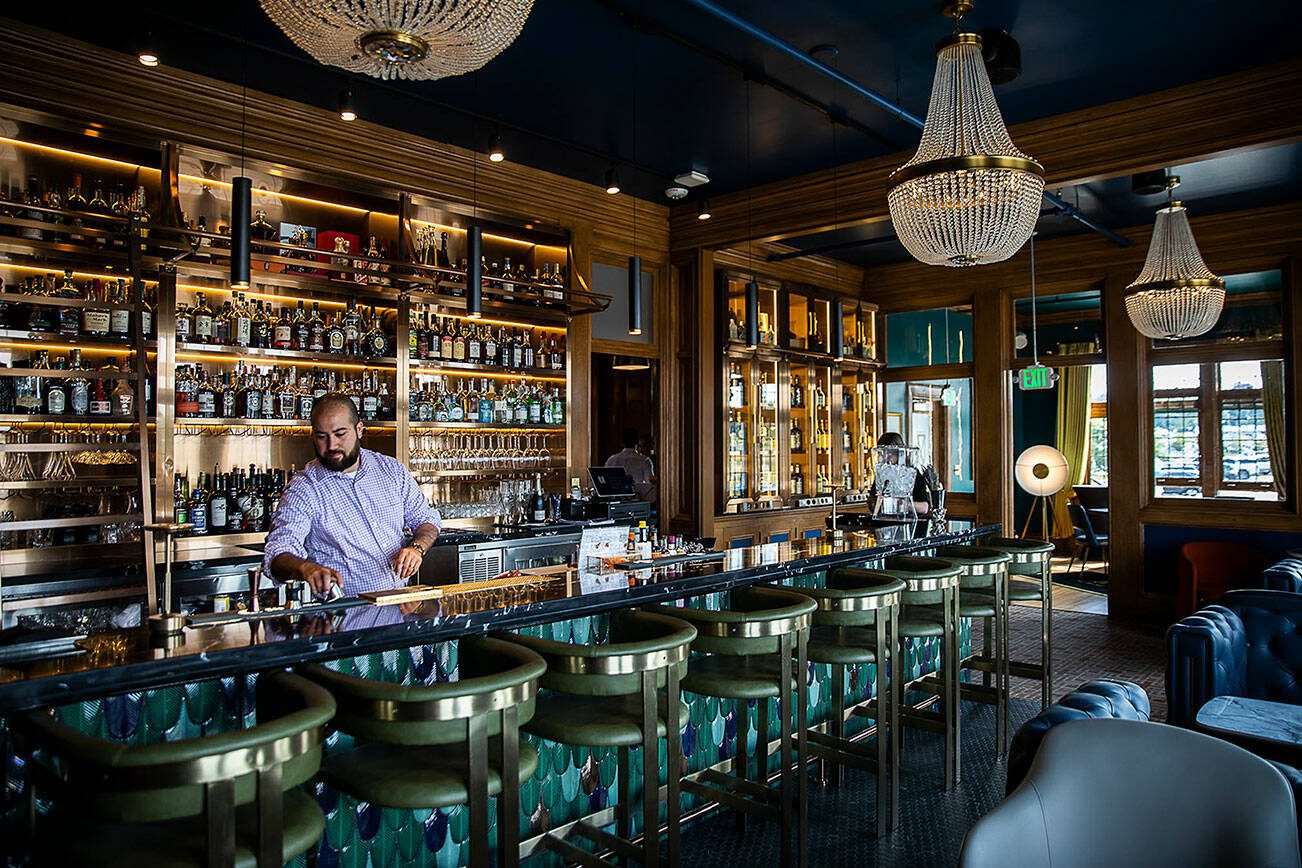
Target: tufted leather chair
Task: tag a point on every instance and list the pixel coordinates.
(1286, 575)
(1249, 644)
(1114, 699)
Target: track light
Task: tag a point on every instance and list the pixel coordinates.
(347, 110)
(241, 218)
(474, 272)
(495, 152)
(635, 295)
(703, 210)
(612, 183)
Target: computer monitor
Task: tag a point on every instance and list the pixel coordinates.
(612, 483)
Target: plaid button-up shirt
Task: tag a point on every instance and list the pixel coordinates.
(353, 523)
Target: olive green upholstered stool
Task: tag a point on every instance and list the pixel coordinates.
(929, 610)
(756, 649)
(855, 623)
(1033, 558)
(437, 745)
(983, 593)
(232, 799)
(610, 696)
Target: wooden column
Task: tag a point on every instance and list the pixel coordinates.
(707, 419)
(578, 457)
(992, 406)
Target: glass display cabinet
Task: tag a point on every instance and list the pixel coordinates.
(797, 420)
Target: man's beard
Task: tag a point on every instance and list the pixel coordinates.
(339, 460)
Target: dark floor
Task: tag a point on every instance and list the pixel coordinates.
(933, 822)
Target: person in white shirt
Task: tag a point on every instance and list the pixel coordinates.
(638, 467)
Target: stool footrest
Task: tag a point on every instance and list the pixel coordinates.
(928, 720)
(868, 710)
(840, 751)
(611, 842)
(731, 800)
(570, 853)
(740, 785)
(1034, 671)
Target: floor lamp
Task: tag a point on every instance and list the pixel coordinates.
(1041, 471)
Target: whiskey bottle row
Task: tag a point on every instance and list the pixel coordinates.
(72, 197)
(487, 404)
(437, 338)
(232, 502)
(354, 331)
(111, 316)
(268, 393)
(79, 394)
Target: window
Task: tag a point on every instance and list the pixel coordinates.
(936, 417)
(1097, 470)
(1218, 429)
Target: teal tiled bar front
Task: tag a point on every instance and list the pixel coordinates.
(571, 782)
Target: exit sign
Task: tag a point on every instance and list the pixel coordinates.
(1035, 377)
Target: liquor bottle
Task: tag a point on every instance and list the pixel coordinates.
(377, 340)
(199, 507)
(120, 208)
(260, 327)
(797, 480)
(736, 386)
(486, 401)
(222, 325)
(448, 341)
(241, 323)
(56, 392)
(490, 347)
(517, 353)
(847, 478)
(35, 200)
(302, 330)
(184, 323)
(352, 329)
(206, 397)
(542, 360)
(203, 320)
(119, 313)
(474, 346)
(415, 344)
(335, 339)
(539, 503)
(78, 387)
(847, 441)
(217, 505)
(96, 321)
(123, 399)
(459, 344)
(306, 397)
(797, 437)
(503, 348)
(248, 400)
(98, 205)
(100, 405)
(558, 355)
(69, 317)
(228, 399)
(283, 334)
(797, 392)
(526, 352)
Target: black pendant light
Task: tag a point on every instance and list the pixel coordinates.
(752, 315)
(635, 295)
(474, 272)
(241, 198)
(837, 330)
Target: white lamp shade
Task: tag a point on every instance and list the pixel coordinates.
(1041, 471)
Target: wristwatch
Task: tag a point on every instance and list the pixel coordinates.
(418, 547)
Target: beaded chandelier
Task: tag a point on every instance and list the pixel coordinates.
(968, 196)
(1176, 295)
(414, 39)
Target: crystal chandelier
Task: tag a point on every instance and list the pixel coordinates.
(968, 196)
(1176, 295)
(414, 39)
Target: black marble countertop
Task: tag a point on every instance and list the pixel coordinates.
(125, 660)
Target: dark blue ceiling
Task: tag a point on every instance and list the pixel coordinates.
(564, 93)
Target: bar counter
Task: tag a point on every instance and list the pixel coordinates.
(124, 661)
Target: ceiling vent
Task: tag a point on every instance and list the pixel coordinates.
(692, 179)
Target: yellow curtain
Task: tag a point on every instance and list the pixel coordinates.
(1272, 404)
(1073, 432)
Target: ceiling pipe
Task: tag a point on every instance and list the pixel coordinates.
(781, 45)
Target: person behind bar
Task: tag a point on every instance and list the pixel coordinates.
(637, 465)
(921, 496)
(342, 520)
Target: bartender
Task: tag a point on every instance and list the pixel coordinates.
(343, 520)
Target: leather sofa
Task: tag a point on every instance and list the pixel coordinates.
(1094, 699)
(1248, 644)
(1101, 700)
(1286, 575)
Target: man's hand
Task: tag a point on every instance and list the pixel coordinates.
(407, 561)
(319, 577)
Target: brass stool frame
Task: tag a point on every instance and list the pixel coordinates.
(833, 747)
(948, 721)
(738, 791)
(216, 772)
(1037, 565)
(648, 667)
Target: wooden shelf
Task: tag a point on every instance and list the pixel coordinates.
(465, 369)
(55, 301)
(79, 521)
(42, 339)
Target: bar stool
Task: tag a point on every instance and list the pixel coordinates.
(756, 649)
(406, 736)
(856, 623)
(929, 611)
(608, 696)
(983, 593)
(1032, 557)
(217, 801)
